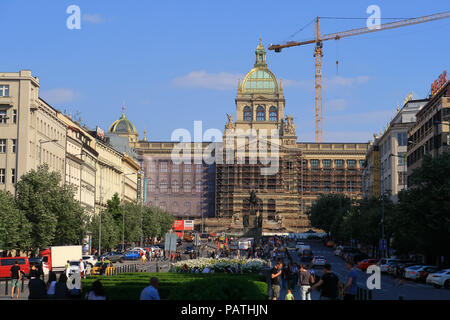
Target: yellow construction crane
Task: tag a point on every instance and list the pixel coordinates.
(318, 52)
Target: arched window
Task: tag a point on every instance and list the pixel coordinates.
(187, 186)
(247, 114)
(273, 114)
(260, 114)
(175, 186)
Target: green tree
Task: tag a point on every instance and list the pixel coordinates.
(133, 216)
(156, 222)
(328, 212)
(14, 227)
(422, 218)
(110, 231)
(56, 218)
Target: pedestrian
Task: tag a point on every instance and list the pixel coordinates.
(82, 269)
(16, 276)
(289, 295)
(34, 272)
(51, 283)
(37, 289)
(329, 284)
(351, 287)
(103, 266)
(151, 292)
(143, 258)
(306, 280)
(67, 267)
(97, 291)
(61, 291)
(295, 275)
(275, 276)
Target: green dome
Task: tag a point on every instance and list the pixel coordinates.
(123, 125)
(260, 80)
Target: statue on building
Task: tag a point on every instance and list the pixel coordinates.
(288, 125)
(229, 124)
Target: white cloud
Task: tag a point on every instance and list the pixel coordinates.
(92, 18)
(58, 95)
(203, 79)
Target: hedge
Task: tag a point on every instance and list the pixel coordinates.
(183, 286)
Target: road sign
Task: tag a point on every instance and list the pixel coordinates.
(188, 224)
(383, 244)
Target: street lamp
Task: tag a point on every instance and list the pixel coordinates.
(41, 142)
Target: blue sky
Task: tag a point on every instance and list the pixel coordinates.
(174, 62)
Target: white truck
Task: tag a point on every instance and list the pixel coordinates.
(56, 257)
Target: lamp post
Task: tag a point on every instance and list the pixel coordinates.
(41, 142)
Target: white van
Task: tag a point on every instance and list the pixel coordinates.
(384, 262)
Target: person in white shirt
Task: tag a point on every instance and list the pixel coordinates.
(82, 269)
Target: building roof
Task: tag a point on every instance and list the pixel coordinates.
(260, 79)
(123, 125)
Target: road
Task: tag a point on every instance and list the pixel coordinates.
(410, 290)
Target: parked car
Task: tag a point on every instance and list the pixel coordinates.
(403, 264)
(357, 256)
(318, 261)
(384, 263)
(412, 272)
(423, 274)
(113, 256)
(441, 279)
(299, 244)
(7, 263)
(109, 268)
(307, 255)
(132, 255)
(75, 268)
(330, 244)
(364, 264)
(89, 259)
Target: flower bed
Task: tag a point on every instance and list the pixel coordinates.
(221, 265)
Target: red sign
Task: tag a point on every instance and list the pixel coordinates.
(438, 83)
(178, 225)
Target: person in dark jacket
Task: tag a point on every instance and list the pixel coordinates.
(37, 289)
(61, 291)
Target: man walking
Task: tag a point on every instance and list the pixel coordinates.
(16, 276)
(329, 284)
(82, 269)
(351, 287)
(275, 277)
(306, 281)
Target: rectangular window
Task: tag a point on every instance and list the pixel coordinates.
(2, 115)
(14, 142)
(339, 163)
(2, 145)
(4, 90)
(175, 168)
(198, 168)
(351, 163)
(401, 139)
(14, 116)
(361, 163)
(187, 168)
(326, 163)
(152, 166)
(163, 166)
(13, 176)
(2, 176)
(314, 163)
(401, 178)
(400, 158)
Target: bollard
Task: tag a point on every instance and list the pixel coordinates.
(6, 287)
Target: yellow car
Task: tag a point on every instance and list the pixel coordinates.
(109, 269)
